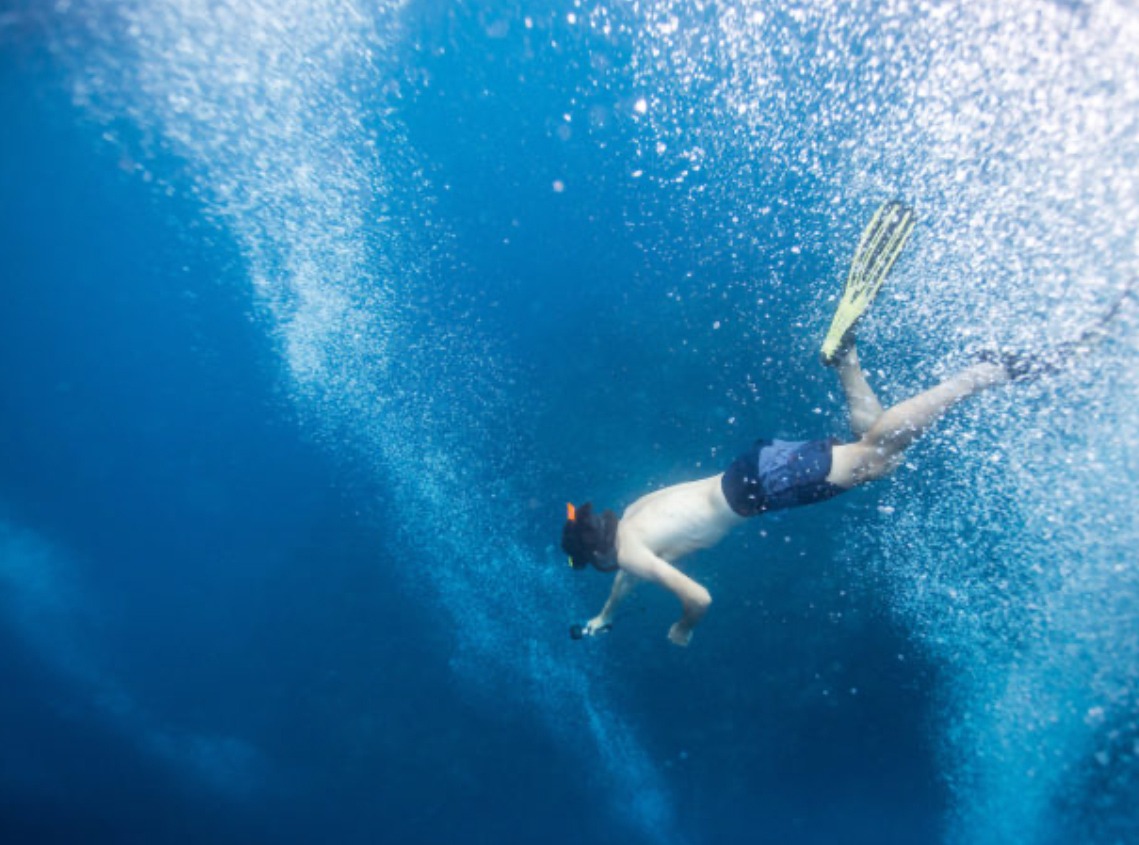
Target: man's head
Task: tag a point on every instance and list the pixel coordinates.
(590, 538)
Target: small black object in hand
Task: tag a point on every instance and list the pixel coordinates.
(578, 632)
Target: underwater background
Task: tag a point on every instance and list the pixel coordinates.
(313, 314)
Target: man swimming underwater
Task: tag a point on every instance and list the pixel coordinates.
(662, 527)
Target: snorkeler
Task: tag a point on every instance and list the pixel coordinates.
(662, 527)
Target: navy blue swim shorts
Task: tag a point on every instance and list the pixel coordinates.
(777, 474)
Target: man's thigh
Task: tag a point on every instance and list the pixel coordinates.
(856, 463)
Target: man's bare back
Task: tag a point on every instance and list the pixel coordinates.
(677, 520)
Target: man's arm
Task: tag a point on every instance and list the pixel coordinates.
(622, 586)
(694, 597)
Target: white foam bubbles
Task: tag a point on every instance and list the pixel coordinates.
(263, 101)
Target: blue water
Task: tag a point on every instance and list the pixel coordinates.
(314, 314)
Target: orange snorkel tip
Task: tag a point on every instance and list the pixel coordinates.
(571, 515)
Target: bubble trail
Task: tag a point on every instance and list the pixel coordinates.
(267, 104)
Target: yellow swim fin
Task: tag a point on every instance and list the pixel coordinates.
(878, 248)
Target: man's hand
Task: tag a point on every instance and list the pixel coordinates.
(697, 600)
(597, 625)
(680, 633)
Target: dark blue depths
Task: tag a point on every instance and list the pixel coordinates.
(240, 592)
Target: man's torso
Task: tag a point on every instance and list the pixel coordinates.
(678, 520)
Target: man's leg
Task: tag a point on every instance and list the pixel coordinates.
(864, 407)
(881, 447)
